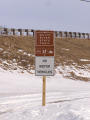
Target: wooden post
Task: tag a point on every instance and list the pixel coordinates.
(6, 31)
(87, 35)
(66, 34)
(56, 34)
(13, 30)
(44, 91)
(60, 34)
(26, 30)
(20, 30)
(70, 34)
(79, 35)
(75, 35)
(32, 32)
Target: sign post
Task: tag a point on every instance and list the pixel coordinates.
(44, 91)
(44, 60)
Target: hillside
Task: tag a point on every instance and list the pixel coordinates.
(72, 56)
(21, 90)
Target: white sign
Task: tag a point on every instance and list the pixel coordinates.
(44, 66)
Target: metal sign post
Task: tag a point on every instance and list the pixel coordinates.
(44, 60)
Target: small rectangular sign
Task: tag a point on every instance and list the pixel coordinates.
(44, 38)
(44, 51)
(44, 44)
(44, 66)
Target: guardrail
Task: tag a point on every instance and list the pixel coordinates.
(66, 34)
(12, 31)
(58, 34)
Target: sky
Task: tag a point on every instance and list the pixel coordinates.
(60, 15)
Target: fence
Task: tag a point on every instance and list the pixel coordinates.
(58, 34)
(12, 31)
(65, 34)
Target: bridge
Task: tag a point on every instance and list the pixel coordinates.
(28, 32)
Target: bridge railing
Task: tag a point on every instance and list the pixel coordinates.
(58, 34)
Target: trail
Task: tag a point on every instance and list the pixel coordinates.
(22, 102)
(21, 98)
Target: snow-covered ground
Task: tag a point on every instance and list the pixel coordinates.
(66, 70)
(21, 97)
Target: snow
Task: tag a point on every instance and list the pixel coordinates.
(20, 50)
(1, 49)
(66, 70)
(25, 53)
(29, 55)
(84, 60)
(21, 97)
(65, 49)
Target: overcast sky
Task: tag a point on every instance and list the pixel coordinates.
(64, 15)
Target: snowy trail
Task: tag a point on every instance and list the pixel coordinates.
(21, 98)
(15, 103)
(62, 106)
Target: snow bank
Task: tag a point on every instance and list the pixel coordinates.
(21, 97)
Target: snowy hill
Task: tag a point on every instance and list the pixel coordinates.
(72, 56)
(68, 92)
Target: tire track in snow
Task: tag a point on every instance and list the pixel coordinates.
(18, 103)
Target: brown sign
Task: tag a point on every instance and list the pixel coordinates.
(44, 50)
(44, 44)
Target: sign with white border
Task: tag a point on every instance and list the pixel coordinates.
(44, 53)
(44, 66)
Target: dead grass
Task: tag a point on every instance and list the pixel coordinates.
(67, 51)
(72, 50)
(11, 46)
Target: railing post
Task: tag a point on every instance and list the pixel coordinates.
(20, 30)
(6, 31)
